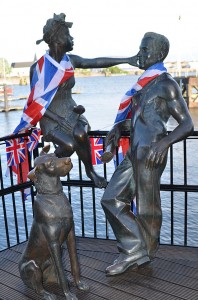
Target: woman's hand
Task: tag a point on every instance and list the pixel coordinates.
(79, 109)
(133, 61)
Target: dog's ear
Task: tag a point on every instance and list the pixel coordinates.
(45, 150)
(32, 174)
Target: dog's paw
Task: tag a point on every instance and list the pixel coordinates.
(81, 285)
(70, 296)
(48, 296)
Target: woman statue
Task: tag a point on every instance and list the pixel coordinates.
(63, 122)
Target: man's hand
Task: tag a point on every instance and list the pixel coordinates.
(113, 136)
(111, 142)
(157, 154)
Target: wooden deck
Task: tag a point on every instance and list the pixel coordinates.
(173, 274)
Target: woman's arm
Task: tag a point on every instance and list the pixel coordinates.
(101, 62)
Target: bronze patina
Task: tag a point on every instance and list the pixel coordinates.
(41, 262)
(139, 173)
(63, 122)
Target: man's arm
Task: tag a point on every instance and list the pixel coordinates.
(101, 62)
(178, 109)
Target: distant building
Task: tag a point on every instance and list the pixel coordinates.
(21, 71)
(21, 68)
(186, 67)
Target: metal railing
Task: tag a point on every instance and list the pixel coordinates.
(179, 187)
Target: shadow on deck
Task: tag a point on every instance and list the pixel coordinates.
(172, 275)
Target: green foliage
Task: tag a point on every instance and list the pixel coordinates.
(5, 68)
(114, 70)
(84, 72)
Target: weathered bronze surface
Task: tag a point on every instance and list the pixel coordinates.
(139, 173)
(63, 122)
(52, 225)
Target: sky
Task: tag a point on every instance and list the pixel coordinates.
(100, 28)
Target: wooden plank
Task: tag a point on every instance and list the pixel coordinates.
(148, 279)
(16, 284)
(173, 274)
(7, 293)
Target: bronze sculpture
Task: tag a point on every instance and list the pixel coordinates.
(139, 173)
(63, 122)
(53, 224)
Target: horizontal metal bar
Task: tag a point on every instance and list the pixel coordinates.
(14, 136)
(16, 188)
(163, 187)
(100, 133)
(179, 188)
(89, 183)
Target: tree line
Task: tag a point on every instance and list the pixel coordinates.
(5, 68)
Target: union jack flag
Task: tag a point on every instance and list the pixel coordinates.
(47, 77)
(123, 146)
(33, 139)
(124, 110)
(96, 150)
(15, 150)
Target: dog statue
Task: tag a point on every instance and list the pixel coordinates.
(52, 225)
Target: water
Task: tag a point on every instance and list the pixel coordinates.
(101, 96)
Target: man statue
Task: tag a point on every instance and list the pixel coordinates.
(150, 103)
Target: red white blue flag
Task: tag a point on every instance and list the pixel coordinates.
(124, 110)
(48, 76)
(33, 139)
(96, 150)
(15, 150)
(17, 153)
(123, 146)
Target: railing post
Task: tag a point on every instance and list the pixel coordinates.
(5, 98)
